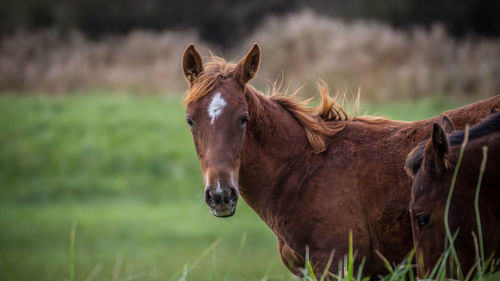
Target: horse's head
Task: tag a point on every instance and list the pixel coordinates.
(431, 181)
(217, 115)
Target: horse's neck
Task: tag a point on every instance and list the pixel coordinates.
(274, 140)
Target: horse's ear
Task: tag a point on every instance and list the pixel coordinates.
(192, 65)
(447, 125)
(436, 151)
(248, 66)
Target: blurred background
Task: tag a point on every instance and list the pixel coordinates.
(92, 129)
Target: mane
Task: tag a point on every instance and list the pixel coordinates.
(324, 120)
(318, 122)
(490, 125)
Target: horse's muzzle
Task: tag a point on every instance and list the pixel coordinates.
(221, 201)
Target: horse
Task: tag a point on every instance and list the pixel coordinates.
(312, 174)
(431, 165)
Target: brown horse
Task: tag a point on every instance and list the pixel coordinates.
(432, 166)
(312, 175)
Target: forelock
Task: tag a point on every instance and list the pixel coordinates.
(209, 79)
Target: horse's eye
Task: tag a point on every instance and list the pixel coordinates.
(190, 123)
(423, 220)
(243, 120)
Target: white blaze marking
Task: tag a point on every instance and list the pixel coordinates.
(216, 106)
(218, 190)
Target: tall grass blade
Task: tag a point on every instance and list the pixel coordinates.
(268, 271)
(189, 266)
(327, 268)
(386, 262)
(307, 267)
(350, 259)
(409, 266)
(476, 209)
(213, 267)
(471, 271)
(401, 270)
(185, 271)
(440, 267)
(311, 271)
(359, 277)
(237, 256)
(72, 252)
(94, 272)
(8, 269)
(118, 267)
(478, 255)
(437, 266)
(448, 202)
(134, 276)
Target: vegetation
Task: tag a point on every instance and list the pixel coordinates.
(123, 168)
(301, 48)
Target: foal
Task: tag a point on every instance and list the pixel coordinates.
(311, 174)
(432, 166)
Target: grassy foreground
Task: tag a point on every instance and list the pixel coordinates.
(124, 168)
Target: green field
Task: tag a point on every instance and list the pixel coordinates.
(123, 167)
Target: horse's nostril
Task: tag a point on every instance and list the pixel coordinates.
(233, 195)
(208, 196)
(218, 197)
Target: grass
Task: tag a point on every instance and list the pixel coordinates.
(123, 167)
(95, 147)
(154, 240)
(480, 244)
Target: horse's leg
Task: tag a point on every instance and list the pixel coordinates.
(290, 258)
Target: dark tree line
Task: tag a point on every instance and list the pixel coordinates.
(460, 17)
(226, 21)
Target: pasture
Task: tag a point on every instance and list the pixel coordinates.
(123, 167)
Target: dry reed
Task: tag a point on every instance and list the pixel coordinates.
(301, 48)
